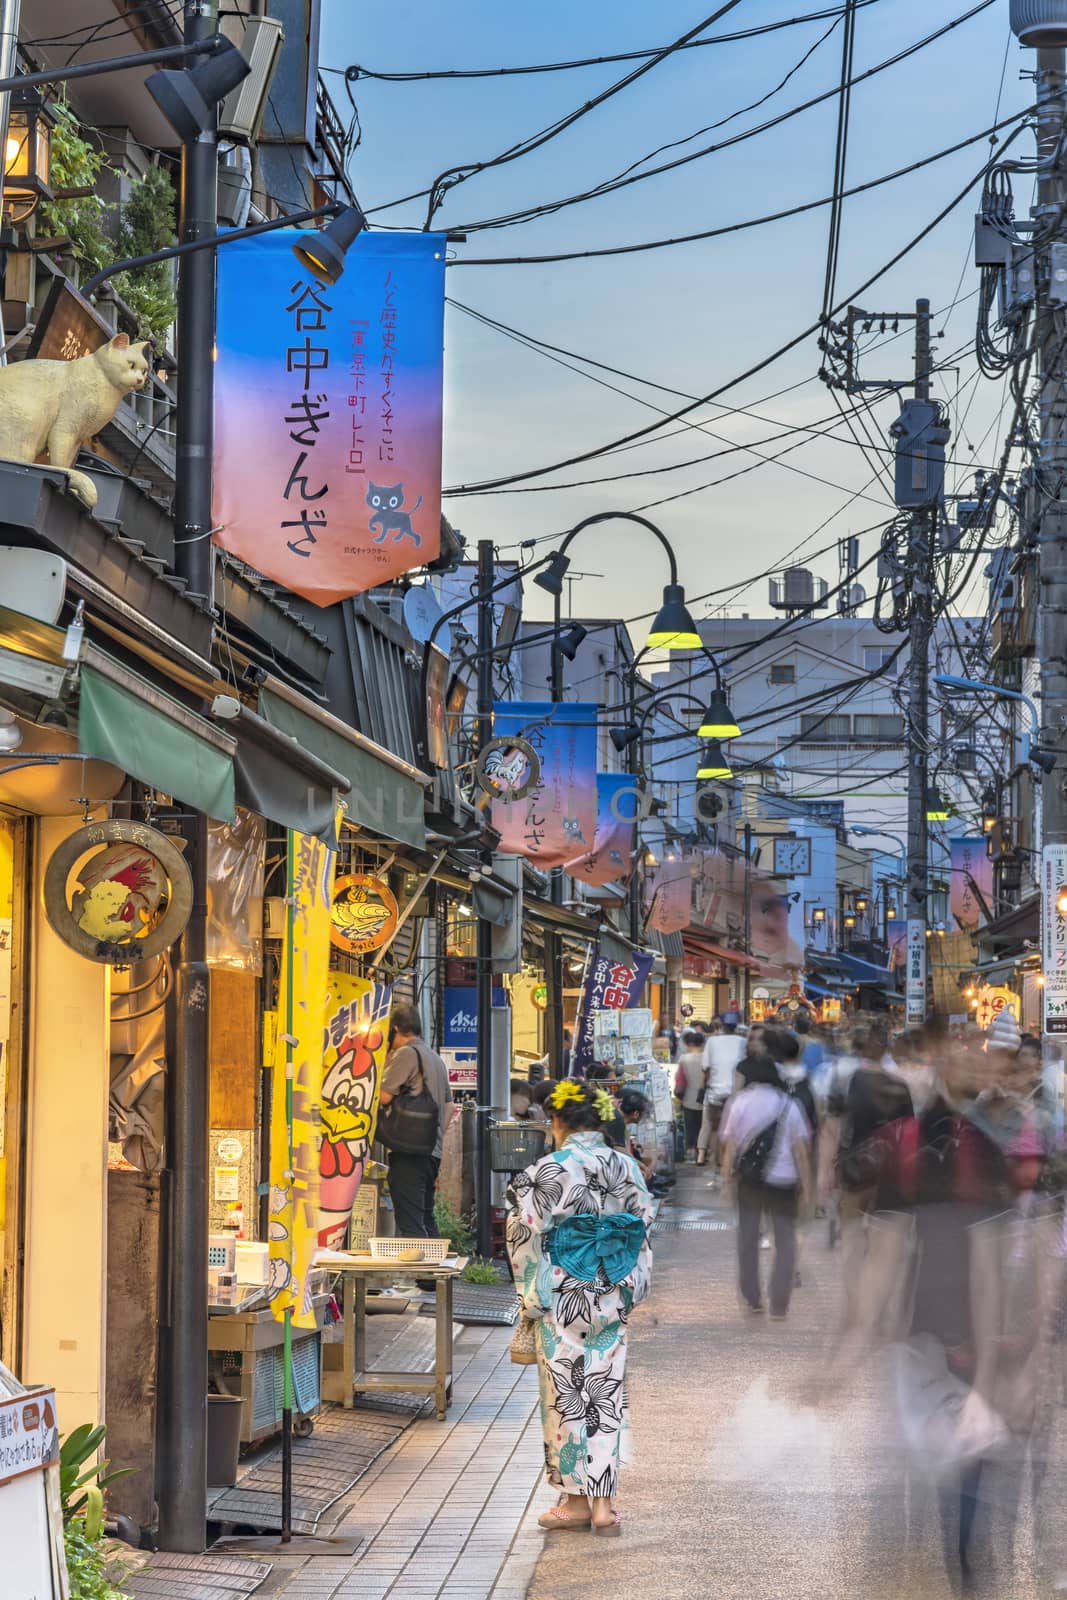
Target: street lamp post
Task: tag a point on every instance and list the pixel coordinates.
(672, 629)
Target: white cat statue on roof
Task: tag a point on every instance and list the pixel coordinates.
(59, 405)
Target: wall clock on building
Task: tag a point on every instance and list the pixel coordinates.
(792, 857)
(118, 892)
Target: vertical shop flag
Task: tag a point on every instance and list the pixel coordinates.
(971, 883)
(354, 1051)
(612, 855)
(328, 412)
(294, 1155)
(558, 817)
(672, 893)
(610, 985)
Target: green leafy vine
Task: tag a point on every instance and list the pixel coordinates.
(145, 223)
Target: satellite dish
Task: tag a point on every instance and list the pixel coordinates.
(421, 611)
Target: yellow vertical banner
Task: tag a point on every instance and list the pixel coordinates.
(297, 1086)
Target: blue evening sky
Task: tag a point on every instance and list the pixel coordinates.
(693, 316)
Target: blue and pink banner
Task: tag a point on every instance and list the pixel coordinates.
(610, 985)
(612, 855)
(557, 818)
(971, 883)
(328, 407)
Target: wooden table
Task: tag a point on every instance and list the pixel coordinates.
(358, 1272)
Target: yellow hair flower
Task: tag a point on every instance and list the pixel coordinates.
(564, 1091)
(605, 1105)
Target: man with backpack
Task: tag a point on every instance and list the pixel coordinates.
(415, 1084)
(766, 1143)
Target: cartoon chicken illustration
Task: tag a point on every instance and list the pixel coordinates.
(360, 915)
(121, 889)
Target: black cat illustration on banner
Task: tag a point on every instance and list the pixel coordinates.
(389, 516)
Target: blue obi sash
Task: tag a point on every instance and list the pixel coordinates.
(584, 1244)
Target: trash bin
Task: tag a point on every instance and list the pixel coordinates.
(223, 1439)
(515, 1145)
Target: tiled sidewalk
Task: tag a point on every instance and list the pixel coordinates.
(441, 1512)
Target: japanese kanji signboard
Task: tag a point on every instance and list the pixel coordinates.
(328, 412)
(1054, 937)
(609, 986)
(556, 818)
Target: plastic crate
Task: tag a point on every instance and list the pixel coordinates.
(515, 1145)
(393, 1249)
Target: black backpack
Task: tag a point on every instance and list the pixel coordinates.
(410, 1123)
(753, 1160)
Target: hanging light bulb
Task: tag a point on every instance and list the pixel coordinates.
(718, 720)
(674, 628)
(712, 763)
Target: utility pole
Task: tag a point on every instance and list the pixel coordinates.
(1051, 332)
(483, 1185)
(553, 940)
(920, 568)
(183, 1407)
(920, 434)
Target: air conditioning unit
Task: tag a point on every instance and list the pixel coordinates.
(259, 41)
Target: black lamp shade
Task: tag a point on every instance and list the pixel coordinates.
(551, 576)
(713, 764)
(937, 809)
(625, 736)
(570, 640)
(322, 250)
(187, 95)
(718, 720)
(674, 628)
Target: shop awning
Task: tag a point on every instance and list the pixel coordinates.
(865, 971)
(811, 987)
(124, 719)
(277, 778)
(382, 797)
(720, 952)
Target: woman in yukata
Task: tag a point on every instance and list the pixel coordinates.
(577, 1235)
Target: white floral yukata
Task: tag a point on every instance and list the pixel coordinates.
(581, 1326)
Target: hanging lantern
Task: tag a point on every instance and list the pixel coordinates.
(27, 155)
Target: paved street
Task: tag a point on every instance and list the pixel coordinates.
(826, 1522)
(449, 1513)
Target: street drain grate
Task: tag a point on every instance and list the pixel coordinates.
(344, 1445)
(676, 1225)
(172, 1577)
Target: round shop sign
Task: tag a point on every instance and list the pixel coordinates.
(364, 914)
(508, 768)
(128, 901)
(539, 996)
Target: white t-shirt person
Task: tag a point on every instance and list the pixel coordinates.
(723, 1054)
(754, 1109)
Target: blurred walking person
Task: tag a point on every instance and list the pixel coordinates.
(690, 1080)
(723, 1053)
(767, 1155)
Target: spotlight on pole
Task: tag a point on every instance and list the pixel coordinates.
(570, 640)
(322, 250)
(550, 579)
(187, 95)
(622, 738)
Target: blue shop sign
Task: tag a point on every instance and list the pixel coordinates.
(461, 1016)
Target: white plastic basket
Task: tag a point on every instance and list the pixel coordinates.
(392, 1249)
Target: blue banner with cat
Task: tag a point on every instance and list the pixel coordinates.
(328, 411)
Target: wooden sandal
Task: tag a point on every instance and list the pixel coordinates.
(558, 1517)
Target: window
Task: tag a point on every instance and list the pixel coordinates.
(783, 672)
(827, 730)
(878, 730)
(877, 656)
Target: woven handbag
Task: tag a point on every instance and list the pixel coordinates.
(523, 1346)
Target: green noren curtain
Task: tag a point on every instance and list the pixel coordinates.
(134, 731)
(381, 798)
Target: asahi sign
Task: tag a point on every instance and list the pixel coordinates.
(916, 972)
(1054, 937)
